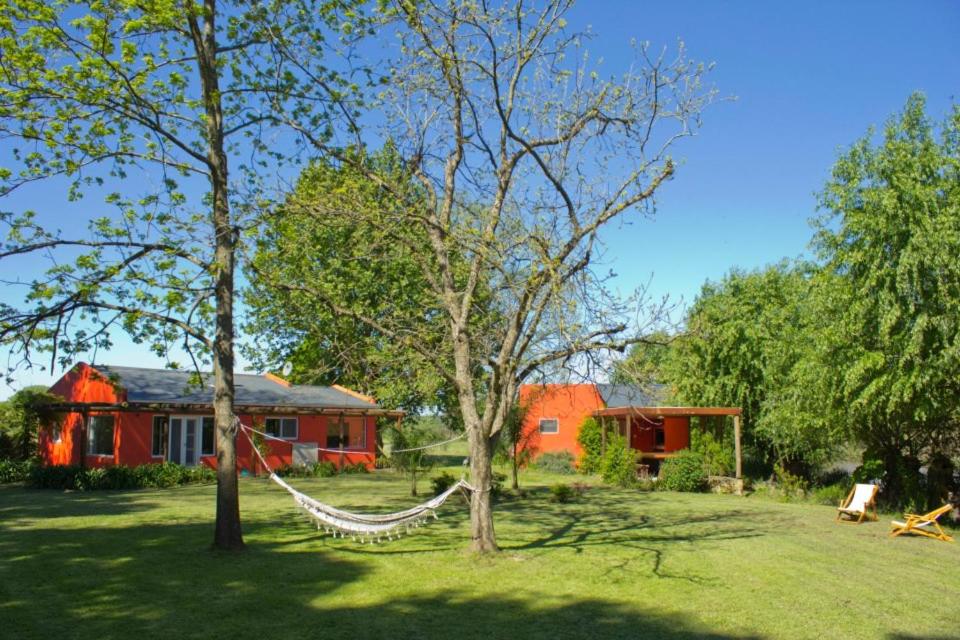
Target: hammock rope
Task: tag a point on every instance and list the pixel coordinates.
(359, 526)
(426, 446)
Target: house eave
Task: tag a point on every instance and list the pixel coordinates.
(164, 407)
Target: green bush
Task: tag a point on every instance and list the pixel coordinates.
(646, 484)
(590, 439)
(294, 471)
(496, 485)
(619, 463)
(832, 494)
(683, 472)
(718, 456)
(158, 476)
(324, 469)
(789, 485)
(442, 482)
(357, 467)
(561, 493)
(562, 462)
(14, 471)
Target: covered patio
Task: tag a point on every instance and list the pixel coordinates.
(659, 433)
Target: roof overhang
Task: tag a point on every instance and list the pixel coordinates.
(664, 412)
(248, 409)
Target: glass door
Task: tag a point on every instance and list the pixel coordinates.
(184, 440)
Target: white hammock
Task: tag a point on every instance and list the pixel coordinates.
(360, 526)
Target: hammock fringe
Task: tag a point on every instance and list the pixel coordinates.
(360, 525)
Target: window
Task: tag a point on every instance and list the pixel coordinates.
(55, 434)
(207, 447)
(353, 430)
(160, 430)
(281, 427)
(100, 436)
(549, 425)
(659, 439)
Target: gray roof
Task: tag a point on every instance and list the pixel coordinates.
(626, 395)
(178, 387)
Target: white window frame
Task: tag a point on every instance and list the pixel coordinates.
(296, 426)
(548, 433)
(213, 451)
(91, 439)
(333, 428)
(56, 433)
(166, 435)
(181, 446)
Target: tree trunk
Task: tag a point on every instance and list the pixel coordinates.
(227, 533)
(483, 537)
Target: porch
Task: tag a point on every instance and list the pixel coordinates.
(659, 433)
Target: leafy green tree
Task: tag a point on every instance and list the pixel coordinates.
(749, 344)
(517, 444)
(889, 237)
(308, 244)
(590, 439)
(21, 418)
(407, 454)
(522, 152)
(162, 106)
(644, 365)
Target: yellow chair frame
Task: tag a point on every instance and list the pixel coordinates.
(919, 524)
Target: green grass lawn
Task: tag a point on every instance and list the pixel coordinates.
(617, 563)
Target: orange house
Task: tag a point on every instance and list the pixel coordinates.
(132, 416)
(554, 413)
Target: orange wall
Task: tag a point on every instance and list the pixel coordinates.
(676, 433)
(643, 436)
(133, 431)
(571, 404)
(81, 384)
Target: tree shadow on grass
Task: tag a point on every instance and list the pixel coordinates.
(159, 581)
(19, 502)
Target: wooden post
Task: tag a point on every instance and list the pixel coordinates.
(84, 418)
(737, 453)
(603, 436)
(341, 442)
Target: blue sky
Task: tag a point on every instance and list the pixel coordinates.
(809, 78)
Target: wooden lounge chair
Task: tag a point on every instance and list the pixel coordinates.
(854, 509)
(925, 525)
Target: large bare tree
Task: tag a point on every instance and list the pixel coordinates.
(521, 151)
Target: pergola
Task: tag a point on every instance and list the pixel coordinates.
(658, 413)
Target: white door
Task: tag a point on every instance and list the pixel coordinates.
(185, 440)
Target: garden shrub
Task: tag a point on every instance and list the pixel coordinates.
(156, 476)
(590, 439)
(683, 472)
(789, 485)
(718, 456)
(561, 462)
(646, 484)
(496, 484)
(324, 469)
(294, 471)
(442, 482)
(832, 494)
(14, 470)
(619, 463)
(357, 467)
(561, 493)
